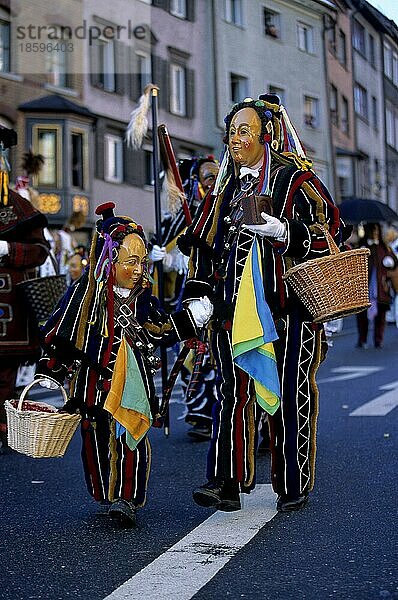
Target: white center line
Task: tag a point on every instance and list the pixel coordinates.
(192, 562)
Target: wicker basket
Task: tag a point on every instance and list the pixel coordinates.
(332, 286)
(39, 433)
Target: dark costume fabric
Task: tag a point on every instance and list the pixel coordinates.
(203, 396)
(298, 197)
(380, 292)
(84, 337)
(22, 227)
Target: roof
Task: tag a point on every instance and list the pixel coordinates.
(55, 104)
(376, 18)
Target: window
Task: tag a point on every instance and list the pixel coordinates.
(331, 39)
(238, 88)
(358, 38)
(47, 141)
(178, 90)
(113, 158)
(272, 23)
(361, 101)
(334, 106)
(387, 60)
(395, 68)
(57, 63)
(273, 89)
(390, 125)
(345, 119)
(311, 112)
(233, 12)
(149, 177)
(375, 118)
(106, 59)
(372, 50)
(178, 8)
(364, 177)
(4, 47)
(305, 38)
(342, 49)
(144, 70)
(78, 160)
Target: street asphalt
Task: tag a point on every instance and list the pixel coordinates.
(56, 544)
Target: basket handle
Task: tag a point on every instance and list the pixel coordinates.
(333, 247)
(30, 385)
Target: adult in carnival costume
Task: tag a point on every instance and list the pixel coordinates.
(198, 176)
(266, 346)
(22, 248)
(103, 335)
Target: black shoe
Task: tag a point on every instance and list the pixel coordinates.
(123, 513)
(362, 345)
(289, 503)
(200, 432)
(220, 496)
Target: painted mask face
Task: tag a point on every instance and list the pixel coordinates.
(243, 140)
(131, 262)
(207, 174)
(75, 267)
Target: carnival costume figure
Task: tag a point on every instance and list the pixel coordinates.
(259, 220)
(198, 176)
(103, 336)
(23, 248)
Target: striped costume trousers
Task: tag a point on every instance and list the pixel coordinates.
(293, 427)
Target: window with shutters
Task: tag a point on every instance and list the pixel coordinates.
(144, 70)
(113, 158)
(178, 104)
(358, 37)
(4, 46)
(238, 88)
(305, 37)
(106, 64)
(345, 119)
(311, 112)
(273, 89)
(233, 12)
(342, 49)
(361, 101)
(57, 62)
(272, 23)
(178, 8)
(334, 106)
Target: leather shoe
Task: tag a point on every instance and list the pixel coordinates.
(223, 497)
(123, 513)
(289, 503)
(200, 432)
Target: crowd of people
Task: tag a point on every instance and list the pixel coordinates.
(254, 215)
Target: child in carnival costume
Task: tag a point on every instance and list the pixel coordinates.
(102, 336)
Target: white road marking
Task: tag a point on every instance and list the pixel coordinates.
(380, 406)
(350, 373)
(192, 562)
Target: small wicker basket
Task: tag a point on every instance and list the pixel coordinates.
(332, 286)
(42, 432)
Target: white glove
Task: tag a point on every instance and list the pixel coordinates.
(3, 248)
(47, 383)
(388, 262)
(157, 253)
(272, 227)
(201, 310)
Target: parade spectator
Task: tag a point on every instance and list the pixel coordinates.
(260, 329)
(103, 336)
(382, 261)
(23, 248)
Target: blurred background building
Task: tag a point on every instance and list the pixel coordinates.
(71, 72)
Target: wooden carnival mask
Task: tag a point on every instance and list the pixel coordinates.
(244, 138)
(207, 174)
(131, 261)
